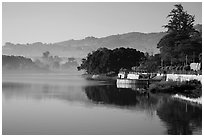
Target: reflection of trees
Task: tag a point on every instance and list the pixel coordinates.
(181, 118)
(110, 95)
(121, 97)
(12, 85)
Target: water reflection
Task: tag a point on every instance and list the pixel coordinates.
(177, 117)
(13, 86)
(181, 118)
(135, 87)
(12, 90)
(122, 97)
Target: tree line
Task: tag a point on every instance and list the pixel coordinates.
(45, 63)
(17, 62)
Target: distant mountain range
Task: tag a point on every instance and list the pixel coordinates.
(146, 42)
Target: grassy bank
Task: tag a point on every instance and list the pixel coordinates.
(191, 89)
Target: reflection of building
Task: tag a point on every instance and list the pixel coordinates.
(133, 86)
(137, 78)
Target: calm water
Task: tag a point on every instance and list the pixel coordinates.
(68, 104)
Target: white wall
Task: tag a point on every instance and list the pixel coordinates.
(133, 76)
(182, 77)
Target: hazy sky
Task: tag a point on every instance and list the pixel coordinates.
(55, 22)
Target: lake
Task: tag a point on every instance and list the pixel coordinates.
(60, 103)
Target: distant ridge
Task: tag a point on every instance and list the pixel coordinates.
(146, 42)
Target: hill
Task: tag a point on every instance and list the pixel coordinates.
(80, 48)
(146, 42)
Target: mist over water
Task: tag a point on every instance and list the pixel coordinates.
(66, 103)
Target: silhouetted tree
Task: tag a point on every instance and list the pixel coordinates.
(105, 60)
(182, 39)
(180, 21)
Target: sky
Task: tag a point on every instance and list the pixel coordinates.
(56, 22)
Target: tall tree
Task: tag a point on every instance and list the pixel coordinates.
(180, 21)
(182, 40)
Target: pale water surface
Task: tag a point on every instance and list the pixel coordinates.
(56, 103)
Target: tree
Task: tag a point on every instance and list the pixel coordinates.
(46, 54)
(180, 21)
(105, 60)
(152, 63)
(181, 40)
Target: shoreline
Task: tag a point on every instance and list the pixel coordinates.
(190, 89)
(192, 100)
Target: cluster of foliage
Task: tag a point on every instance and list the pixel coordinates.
(152, 63)
(55, 62)
(182, 42)
(105, 60)
(17, 62)
(48, 61)
(71, 62)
